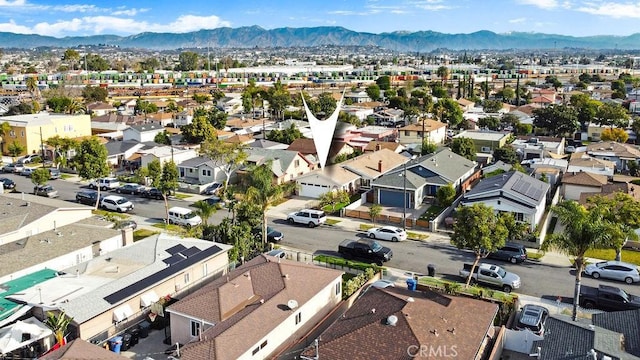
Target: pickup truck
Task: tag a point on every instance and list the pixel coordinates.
(607, 297)
(492, 275)
(365, 249)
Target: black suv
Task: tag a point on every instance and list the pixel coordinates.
(8, 183)
(152, 193)
(512, 252)
(88, 197)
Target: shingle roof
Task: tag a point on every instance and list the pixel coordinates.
(146, 127)
(307, 146)
(614, 148)
(518, 185)
(429, 125)
(333, 173)
(120, 147)
(196, 162)
(233, 303)
(624, 322)
(281, 159)
(584, 178)
(423, 318)
(367, 165)
(564, 340)
(79, 349)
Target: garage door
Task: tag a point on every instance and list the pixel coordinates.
(313, 191)
(392, 198)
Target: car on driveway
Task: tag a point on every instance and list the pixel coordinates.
(130, 188)
(116, 203)
(7, 183)
(88, 197)
(126, 224)
(45, 190)
(54, 174)
(614, 270)
(309, 217)
(15, 168)
(511, 252)
(389, 233)
(30, 159)
(212, 189)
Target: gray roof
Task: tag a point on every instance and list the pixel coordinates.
(266, 144)
(120, 147)
(513, 183)
(196, 162)
(564, 340)
(624, 322)
(146, 127)
(281, 159)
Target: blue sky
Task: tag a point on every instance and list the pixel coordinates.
(61, 18)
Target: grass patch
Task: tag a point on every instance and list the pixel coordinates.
(170, 227)
(181, 196)
(65, 176)
(332, 221)
(416, 236)
(109, 214)
(365, 227)
(471, 290)
(629, 256)
(432, 212)
(534, 255)
(143, 233)
(337, 261)
(334, 209)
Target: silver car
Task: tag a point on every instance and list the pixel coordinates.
(615, 270)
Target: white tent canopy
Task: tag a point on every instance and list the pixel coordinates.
(22, 333)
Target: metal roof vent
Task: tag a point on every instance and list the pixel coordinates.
(392, 320)
(410, 299)
(292, 304)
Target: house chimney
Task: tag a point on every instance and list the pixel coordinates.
(378, 147)
(127, 236)
(379, 166)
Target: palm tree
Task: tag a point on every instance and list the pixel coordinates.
(32, 87)
(58, 324)
(5, 129)
(205, 210)
(443, 74)
(584, 229)
(263, 192)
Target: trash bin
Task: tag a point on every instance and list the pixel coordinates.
(126, 341)
(411, 284)
(431, 269)
(115, 344)
(135, 336)
(144, 327)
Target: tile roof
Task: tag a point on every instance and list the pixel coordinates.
(423, 318)
(584, 178)
(246, 304)
(79, 349)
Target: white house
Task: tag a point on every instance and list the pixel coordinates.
(166, 153)
(142, 133)
(183, 118)
(575, 184)
(199, 170)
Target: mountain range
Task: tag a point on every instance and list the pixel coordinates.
(255, 36)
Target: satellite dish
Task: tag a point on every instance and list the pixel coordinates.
(292, 304)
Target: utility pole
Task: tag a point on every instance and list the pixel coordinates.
(404, 197)
(41, 146)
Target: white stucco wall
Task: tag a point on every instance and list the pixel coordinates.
(57, 218)
(572, 192)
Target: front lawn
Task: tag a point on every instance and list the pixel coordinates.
(181, 196)
(143, 233)
(432, 212)
(341, 262)
(332, 221)
(454, 287)
(108, 214)
(329, 209)
(629, 256)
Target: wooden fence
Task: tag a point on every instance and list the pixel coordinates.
(388, 219)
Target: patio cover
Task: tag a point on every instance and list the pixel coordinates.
(13, 336)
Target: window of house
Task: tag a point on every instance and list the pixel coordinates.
(12, 133)
(296, 163)
(338, 287)
(22, 133)
(195, 328)
(190, 170)
(186, 278)
(407, 133)
(258, 348)
(298, 318)
(205, 269)
(206, 172)
(519, 216)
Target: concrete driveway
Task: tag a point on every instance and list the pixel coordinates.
(294, 204)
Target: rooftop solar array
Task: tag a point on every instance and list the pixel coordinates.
(525, 188)
(176, 249)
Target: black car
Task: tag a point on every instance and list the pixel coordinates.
(7, 183)
(130, 188)
(88, 197)
(512, 252)
(152, 193)
(273, 235)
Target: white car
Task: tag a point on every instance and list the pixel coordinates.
(615, 270)
(311, 218)
(389, 233)
(116, 203)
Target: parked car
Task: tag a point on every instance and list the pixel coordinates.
(54, 174)
(273, 235)
(532, 317)
(88, 197)
(45, 190)
(105, 184)
(7, 183)
(183, 216)
(213, 200)
(212, 189)
(130, 188)
(389, 233)
(492, 275)
(312, 218)
(116, 203)
(30, 159)
(26, 171)
(126, 224)
(151, 193)
(607, 298)
(15, 168)
(365, 250)
(615, 270)
(512, 252)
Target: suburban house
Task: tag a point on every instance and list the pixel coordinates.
(113, 123)
(255, 311)
(575, 184)
(244, 125)
(485, 141)
(389, 117)
(513, 192)
(360, 138)
(466, 105)
(357, 97)
(434, 131)
(160, 118)
(497, 166)
(142, 133)
(307, 147)
(30, 130)
(611, 189)
(177, 154)
(378, 145)
(120, 153)
(199, 170)
(109, 293)
(362, 113)
(286, 165)
(395, 323)
(100, 108)
(424, 176)
(530, 147)
(185, 117)
(301, 125)
(580, 161)
(268, 144)
(619, 153)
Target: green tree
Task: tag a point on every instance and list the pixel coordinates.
(614, 134)
(59, 104)
(584, 229)
(149, 64)
(373, 91)
(73, 57)
(5, 129)
(585, 106)
(91, 161)
(623, 211)
(506, 154)
(94, 93)
(229, 157)
(162, 138)
(477, 228)
(40, 176)
(95, 62)
(374, 212)
(507, 94)
(278, 98)
(445, 195)
(384, 82)
(238, 235)
(32, 87)
(22, 108)
(286, 136)
(145, 107)
(516, 230)
(464, 147)
(188, 61)
(334, 198)
(558, 120)
(612, 115)
(205, 210)
(448, 112)
(201, 98)
(168, 183)
(553, 81)
(263, 192)
(58, 324)
(428, 147)
(216, 117)
(154, 171)
(198, 131)
(489, 122)
(491, 106)
(443, 74)
(250, 95)
(327, 103)
(16, 149)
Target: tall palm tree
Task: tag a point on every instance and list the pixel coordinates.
(32, 87)
(264, 192)
(205, 210)
(5, 129)
(584, 229)
(443, 74)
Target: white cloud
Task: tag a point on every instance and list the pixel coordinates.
(76, 8)
(612, 9)
(11, 26)
(517, 21)
(13, 3)
(128, 12)
(544, 4)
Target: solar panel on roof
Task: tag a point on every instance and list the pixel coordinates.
(174, 259)
(190, 251)
(175, 249)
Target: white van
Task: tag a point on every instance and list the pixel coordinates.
(184, 217)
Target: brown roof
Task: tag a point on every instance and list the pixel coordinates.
(79, 349)
(100, 106)
(239, 139)
(426, 319)
(247, 304)
(584, 160)
(625, 151)
(585, 179)
(609, 191)
(115, 118)
(391, 145)
(465, 102)
(306, 146)
(160, 116)
(429, 125)
(366, 165)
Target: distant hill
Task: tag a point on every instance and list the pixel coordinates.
(255, 36)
